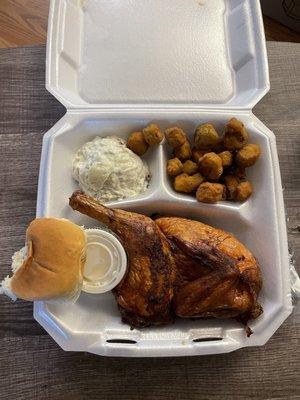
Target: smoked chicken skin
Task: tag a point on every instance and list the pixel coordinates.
(144, 296)
(217, 276)
(178, 266)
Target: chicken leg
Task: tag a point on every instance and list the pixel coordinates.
(144, 296)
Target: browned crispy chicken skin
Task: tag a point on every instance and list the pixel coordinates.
(210, 272)
(217, 276)
(144, 296)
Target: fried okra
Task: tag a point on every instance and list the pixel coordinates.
(226, 158)
(152, 135)
(231, 182)
(216, 167)
(197, 154)
(209, 192)
(175, 137)
(206, 137)
(185, 183)
(236, 135)
(243, 191)
(248, 155)
(183, 152)
(137, 143)
(190, 167)
(174, 167)
(210, 166)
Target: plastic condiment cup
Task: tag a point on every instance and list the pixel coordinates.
(105, 264)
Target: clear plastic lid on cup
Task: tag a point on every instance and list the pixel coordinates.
(105, 264)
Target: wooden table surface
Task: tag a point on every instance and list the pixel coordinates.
(24, 23)
(32, 366)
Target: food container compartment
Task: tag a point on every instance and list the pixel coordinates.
(119, 65)
(93, 323)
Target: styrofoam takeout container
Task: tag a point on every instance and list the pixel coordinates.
(118, 65)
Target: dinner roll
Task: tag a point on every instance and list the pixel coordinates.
(50, 266)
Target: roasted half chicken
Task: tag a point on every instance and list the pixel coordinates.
(178, 264)
(144, 296)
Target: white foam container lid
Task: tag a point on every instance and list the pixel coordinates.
(138, 54)
(118, 65)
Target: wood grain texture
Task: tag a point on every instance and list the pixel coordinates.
(24, 22)
(27, 111)
(32, 366)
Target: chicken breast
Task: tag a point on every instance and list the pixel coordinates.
(217, 276)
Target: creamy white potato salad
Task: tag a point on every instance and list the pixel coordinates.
(108, 171)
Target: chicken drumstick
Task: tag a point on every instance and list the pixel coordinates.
(145, 294)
